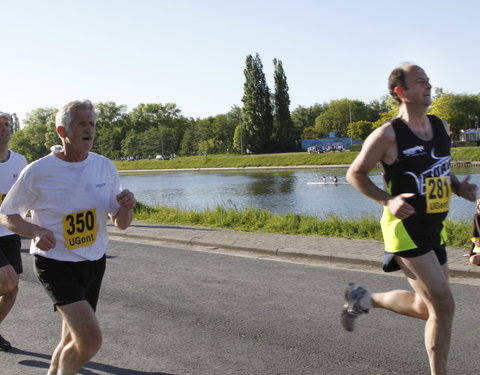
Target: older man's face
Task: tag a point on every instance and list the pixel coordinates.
(82, 130)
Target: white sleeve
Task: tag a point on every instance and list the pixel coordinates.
(20, 197)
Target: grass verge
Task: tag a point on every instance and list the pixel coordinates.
(267, 160)
(253, 219)
(240, 161)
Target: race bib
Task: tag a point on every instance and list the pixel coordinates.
(438, 194)
(2, 197)
(80, 228)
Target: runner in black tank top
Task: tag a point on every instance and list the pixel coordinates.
(422, 167)
(416, 199)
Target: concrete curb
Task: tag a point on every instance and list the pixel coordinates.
(326, 249)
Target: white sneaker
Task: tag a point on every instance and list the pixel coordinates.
(351, 308)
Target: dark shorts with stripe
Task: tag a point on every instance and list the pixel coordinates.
(390, 264)
(10, 252)
(69, 282)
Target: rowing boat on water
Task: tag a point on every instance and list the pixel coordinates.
(326, 183)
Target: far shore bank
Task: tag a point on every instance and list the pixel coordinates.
(139, 171)
(459, 163)
(467, 156)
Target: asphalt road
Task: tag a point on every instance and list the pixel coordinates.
(171, 311)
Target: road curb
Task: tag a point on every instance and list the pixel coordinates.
(454, 270)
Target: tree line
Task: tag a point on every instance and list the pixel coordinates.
(263, 124)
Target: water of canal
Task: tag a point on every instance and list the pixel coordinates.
(280, 191)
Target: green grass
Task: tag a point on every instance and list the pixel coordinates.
(466, 153)
(257, 220)
(267, 160)
(241, 161)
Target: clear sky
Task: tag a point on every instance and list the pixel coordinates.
(192, 53)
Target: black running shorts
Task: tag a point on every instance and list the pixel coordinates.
(69, 282)
(10, 252)
(390, 264)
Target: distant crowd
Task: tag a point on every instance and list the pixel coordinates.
(319, 149)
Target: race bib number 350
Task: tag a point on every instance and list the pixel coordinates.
(80, 229)
(438, 194)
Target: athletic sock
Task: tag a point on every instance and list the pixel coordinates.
(366, 301)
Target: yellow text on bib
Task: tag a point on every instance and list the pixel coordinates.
(80, 229)
(438, 194)
(2, 197)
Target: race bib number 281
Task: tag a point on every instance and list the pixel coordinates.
(438, 192)
(80, 229)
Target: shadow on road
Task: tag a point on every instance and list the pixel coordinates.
(88, 369)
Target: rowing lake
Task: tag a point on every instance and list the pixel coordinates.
(279, 191)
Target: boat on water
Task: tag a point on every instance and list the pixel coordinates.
(326, 183)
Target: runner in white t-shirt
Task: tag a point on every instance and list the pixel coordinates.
(70, 194)
(11, 164)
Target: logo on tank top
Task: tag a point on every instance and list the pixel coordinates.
(414, 151)
(438, 169)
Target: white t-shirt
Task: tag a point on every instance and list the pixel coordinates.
(9, 172)
(73, 200)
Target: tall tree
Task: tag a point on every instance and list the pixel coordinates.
(15, 123)
(283, 134)
(41, 118)
(189, 144)
(339, 113)
(304, 121)
(459, 110)
(360, 129)
(257, 119)
(112, 125)
(161, 117)
(30, 141)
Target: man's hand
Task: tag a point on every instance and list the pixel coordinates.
(44, 239)
(467, 190)
(399, 207)
(473, 259)
(126, 199)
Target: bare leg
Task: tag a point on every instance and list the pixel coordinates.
(8, 290)
(65, 339)
(81, 339)
(432, 301)
(402, 302)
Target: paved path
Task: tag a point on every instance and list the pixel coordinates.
(364, 252)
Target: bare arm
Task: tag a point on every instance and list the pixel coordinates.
(463, 188)
(124, 216)
(43, 238)
(380, 145)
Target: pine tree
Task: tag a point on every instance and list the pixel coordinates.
(283, 134)
(15, 123)
(257, 124)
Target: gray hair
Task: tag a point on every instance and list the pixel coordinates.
(6, 115)
(64, 115)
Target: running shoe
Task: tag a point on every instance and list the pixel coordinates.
(352, 309)
(4, 345)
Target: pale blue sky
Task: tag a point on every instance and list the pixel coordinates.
(192, 53)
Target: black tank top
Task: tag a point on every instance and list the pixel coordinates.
(422, 167)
